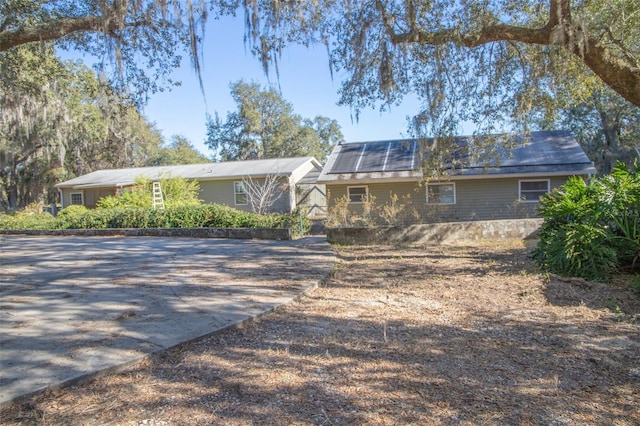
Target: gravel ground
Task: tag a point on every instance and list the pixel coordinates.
(463, 335)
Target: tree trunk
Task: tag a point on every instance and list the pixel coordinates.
(611, 131)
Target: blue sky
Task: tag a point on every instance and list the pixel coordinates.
(305, 81)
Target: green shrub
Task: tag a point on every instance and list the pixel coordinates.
(184, 216)
(592, 230)
(136, 196)
(23, 220)
(176, 192)
(72, 210)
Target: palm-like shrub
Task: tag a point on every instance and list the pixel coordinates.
(592, 230)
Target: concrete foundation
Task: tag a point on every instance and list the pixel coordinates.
(437, 232)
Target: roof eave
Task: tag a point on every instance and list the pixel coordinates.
(586, 171)
(346, 178)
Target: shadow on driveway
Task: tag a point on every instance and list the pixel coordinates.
(71, 307)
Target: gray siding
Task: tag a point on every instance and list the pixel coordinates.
(90, 196)
(476, 199)
(222, 192)
(212, 191)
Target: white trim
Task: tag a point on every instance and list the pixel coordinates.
(235, 194)
(520, 181)
(366, 192)
(71, 194)
(441, 184)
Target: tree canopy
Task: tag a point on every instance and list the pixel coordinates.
(265, 126)
(142, 40)
(59, 120)
(441, 49)
(494, 63)
(178, 151)
(485, 61)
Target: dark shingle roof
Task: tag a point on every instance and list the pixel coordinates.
(540, 152)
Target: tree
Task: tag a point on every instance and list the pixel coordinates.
(261, 194)
(141, 39)
(59, 120)
(32, 123)
(178, 151)
(265, 126)
(385, 47)
(483, 61)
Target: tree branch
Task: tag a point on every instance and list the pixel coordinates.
(622, 76)
(618, 74)
(53, 30)
(64, 26)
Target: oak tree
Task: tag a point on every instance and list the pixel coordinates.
(266, 126)
(484, 61)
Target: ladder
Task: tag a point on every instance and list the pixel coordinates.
(158, 200)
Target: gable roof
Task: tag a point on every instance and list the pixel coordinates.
(541, 153)
(207, 171)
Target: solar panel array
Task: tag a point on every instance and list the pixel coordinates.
(548, 149)
(386, 156)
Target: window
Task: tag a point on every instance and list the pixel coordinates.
(532, 190)
(358, 194)
(441, 193)
(76, 198)
(240, 194)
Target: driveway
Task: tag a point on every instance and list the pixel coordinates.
(72, 307)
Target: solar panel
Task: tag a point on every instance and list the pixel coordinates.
(376, 157)
(402, 156)
(348, 158)
(373, 157)
(544, 149)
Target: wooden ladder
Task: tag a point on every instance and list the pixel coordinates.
(158, 200)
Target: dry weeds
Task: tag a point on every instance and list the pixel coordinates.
(433, 335)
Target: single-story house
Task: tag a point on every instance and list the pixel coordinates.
(221, 183)
(506, 183)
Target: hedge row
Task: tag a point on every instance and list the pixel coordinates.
(203, 216)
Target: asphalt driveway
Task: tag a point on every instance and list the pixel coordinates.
(72, 307)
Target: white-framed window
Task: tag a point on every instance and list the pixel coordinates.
(530, 191)
(76, 198)
(441, 193)
(358, 194)
(239, 193)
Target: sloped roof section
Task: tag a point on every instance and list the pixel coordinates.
(311, 178)
(207, 171)
(547, 152)
(381, 156)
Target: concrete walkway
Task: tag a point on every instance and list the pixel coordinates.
(71, 307)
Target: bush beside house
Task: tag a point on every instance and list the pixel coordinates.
(592, 230)
(201, 216)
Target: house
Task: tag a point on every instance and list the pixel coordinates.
(476, 183)
(221, 183)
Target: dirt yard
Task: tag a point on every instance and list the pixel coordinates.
(456, 335)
